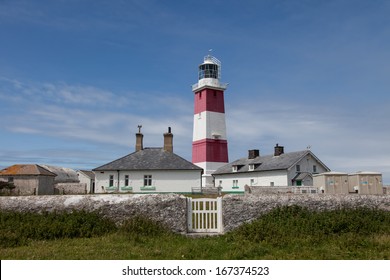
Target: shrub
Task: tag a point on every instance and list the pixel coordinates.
(18, 229)
(284, 223)
(143, 226)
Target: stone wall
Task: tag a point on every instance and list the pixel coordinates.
(168, 209)
(171, 209)
(240, 209)
(70, 188)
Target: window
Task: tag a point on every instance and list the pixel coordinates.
(126, 180)
(314, 168)
(252, 182)
(298, 168)
(299, 182)
(235, 183)
(251, 167)
(111, 183)
(272, 184)
(147, 180)
(234, 168)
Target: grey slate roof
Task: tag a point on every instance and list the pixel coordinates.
(88, 173)
(149, 159)
(265, 163)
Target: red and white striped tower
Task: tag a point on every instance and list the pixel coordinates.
(209, 142)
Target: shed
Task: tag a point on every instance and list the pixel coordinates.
(29, 179)
(365, 182)
(331, 182)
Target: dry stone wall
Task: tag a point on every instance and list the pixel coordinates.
(171, 209)
(70, 188)
(240, 209)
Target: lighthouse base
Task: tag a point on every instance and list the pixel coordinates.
(208, 169)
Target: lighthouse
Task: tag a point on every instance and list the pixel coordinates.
(209, 142)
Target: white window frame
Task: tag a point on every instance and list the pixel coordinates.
(148, 180)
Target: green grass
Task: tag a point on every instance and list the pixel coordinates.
(285, 233)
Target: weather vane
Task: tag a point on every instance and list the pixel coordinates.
(139, 128)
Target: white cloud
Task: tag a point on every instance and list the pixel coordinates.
(343, 139)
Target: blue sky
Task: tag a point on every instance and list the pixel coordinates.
(77, 77)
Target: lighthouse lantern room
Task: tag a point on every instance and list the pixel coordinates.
(209, 145)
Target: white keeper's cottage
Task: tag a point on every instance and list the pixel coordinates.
(277, 170)
(149, 170)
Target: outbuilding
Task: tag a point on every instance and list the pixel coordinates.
(365, 182)
(29, 179)
(331, 182)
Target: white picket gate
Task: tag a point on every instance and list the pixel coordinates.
(205, 215)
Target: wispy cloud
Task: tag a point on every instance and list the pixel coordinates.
(345, 141)
(59, 93)
(87, 114)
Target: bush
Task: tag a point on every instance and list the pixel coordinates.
(143, 226)
(284, 223)
(18, 229)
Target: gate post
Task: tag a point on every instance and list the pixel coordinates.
(219, 214)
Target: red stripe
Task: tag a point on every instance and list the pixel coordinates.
(209, 100)
(209, 150)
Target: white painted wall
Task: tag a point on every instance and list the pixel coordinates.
(85, 180)
(208, 123)
(178, 181)
(265, 178)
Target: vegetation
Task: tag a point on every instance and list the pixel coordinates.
(285, 233)
(6, 188)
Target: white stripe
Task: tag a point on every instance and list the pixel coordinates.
(209, 125)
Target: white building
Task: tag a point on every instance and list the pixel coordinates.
(277, 170)
(88, 178)
(149, 170)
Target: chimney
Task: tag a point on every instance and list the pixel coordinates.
(279, 150)
(168, 141)
(253, 154)
(139, 140)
